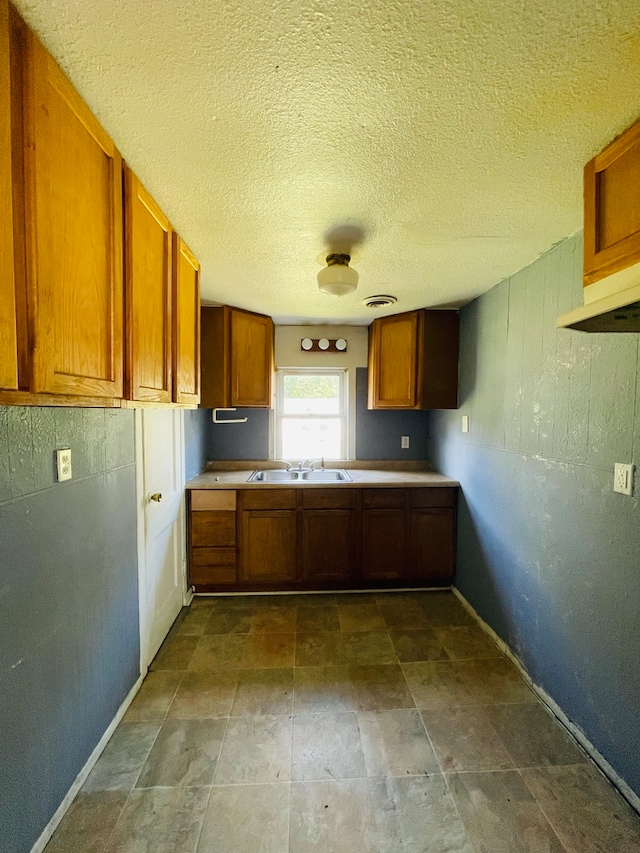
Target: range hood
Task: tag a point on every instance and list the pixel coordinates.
(611, 305)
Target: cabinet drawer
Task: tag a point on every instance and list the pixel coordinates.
(383, 498)
(269, 499)
(213, 529)
(433, 497)
(213, 566)
(203, 499)
(328, 498)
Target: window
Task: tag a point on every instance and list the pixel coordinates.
(311, 414)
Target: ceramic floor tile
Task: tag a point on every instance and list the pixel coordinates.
(412, 645)
(123, 758)
(269, 650)
(404, 615)
(320, 648)
(218, 651)
(437, 684)
(234, 620)
(255, 749)
(154, 697)
(500, 814)
(331, 817)
(380, 688)
(175, 653)
(495, 681)
(327, 746)
(193, 622)
(395, 744)
(351, 598)
(464, 739)
(320, 689)
(204, 694)
(185, 753)
(416, 815)
(315, 600)
(204, 602)
(276, 620)
(369, 647)
(160, 820)
(443, 608)
(247, 819)
(87, 826)
(360, 617)
(533, 737)
(464, 642)
(586, 812)
(262, 692)
(318, 618)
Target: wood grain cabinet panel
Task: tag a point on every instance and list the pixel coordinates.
(328, 545)
(212, 539)
(186, 324)
(73, 188)
(384, 545)
(237, 358)
(213, 529)
(413, 361)
(269, 546)
(611, 207)
(8, 315)
(148, 296)
(432, 548)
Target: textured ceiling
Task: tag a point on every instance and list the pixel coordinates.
(452, 133)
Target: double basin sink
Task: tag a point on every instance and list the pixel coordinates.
(322, 475)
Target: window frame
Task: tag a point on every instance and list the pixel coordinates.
(343, 414)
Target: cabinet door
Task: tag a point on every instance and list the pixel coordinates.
(251, 359)
(611, 209)
(147, 296)
(328, 544)
(186, 325)
(432, 546)
(73, 175)
(8, 329)
(268, 546)
(383, 544)
(394, 362)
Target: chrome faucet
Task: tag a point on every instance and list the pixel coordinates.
(288, 465)
(316, 462)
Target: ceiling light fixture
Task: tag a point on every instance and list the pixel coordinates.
(338, 278)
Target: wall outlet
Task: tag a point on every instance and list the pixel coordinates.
(63, 461)
(465, 423)
(404, 442)
(623, 478)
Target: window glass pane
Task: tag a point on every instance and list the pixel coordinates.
(318, 395)
(311, 438)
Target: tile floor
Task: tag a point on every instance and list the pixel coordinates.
(340, 723)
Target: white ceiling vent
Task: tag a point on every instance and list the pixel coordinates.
(379, 301)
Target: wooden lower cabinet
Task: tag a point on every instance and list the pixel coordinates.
(321, 538)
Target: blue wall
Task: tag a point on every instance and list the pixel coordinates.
(196, 435)
(548, 554)
(68, 603)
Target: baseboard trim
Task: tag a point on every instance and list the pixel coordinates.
(62, 809)
(599, 760)
(283, 592)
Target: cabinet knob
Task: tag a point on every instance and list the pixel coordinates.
(157, 497)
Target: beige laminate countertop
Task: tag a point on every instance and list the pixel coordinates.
(361, 478)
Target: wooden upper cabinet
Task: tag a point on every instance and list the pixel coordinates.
(73, 192)
(148, 296)
(186, 325)
(8, 325)
(237, 358)
(612, 207)
(413, 361)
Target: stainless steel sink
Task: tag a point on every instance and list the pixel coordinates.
(323, 475)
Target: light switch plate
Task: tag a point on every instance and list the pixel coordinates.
(623, 478)
(404, 442)
(465, 423)
(63, 461)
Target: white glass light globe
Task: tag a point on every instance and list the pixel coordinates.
(338, 279)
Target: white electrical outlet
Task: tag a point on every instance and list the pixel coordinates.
(623, 478)
(404, 443)
(63, 460)
(465, 423)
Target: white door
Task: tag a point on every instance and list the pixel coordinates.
(161, 528)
